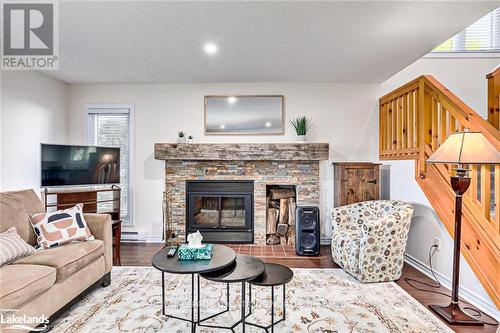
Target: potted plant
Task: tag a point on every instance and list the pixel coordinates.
(190, 139)
(301, 125)
(181, 137)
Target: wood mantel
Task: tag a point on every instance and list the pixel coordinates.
(242, 151)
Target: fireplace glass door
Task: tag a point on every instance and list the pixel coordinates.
(223, 211)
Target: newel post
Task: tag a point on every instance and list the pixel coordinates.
(421, 168)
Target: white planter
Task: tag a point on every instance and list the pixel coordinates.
(181, 140)
(189, 140)
(301, 138)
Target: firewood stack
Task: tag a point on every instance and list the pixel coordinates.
(280, 224)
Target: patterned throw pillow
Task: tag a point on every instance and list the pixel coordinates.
(61, 227)
(13, 247)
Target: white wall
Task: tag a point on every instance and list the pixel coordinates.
(465, 77)
(34, 108)
(344, 116)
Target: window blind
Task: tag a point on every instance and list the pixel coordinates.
(481, 36)
(113, 129)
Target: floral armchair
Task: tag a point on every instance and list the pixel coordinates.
(369, 239)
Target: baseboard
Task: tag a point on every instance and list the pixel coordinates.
(325, 241)
(465, 293)
(140, 237)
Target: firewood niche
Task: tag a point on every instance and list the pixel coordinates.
(280, 222)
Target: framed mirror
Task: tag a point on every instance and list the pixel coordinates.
(244, 115)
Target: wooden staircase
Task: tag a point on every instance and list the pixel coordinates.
(414, 120)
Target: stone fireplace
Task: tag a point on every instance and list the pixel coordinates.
(263, 165)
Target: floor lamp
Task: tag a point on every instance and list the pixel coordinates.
(461, 148)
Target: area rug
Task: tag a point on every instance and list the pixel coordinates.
(318, 300)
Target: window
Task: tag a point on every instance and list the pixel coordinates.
(111, 126)
(482, 36)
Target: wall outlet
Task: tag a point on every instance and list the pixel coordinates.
(437, 242)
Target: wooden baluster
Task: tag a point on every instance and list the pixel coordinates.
(382, 125)
(388, 144)
(411, 120)
(434, 126)
(443, 125)
(453, 124)
(486, 190)
(473, 183)
(394, 124)
(404, 123)
(497, 198)
(399, 123)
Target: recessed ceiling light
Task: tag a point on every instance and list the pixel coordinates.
(222, 126)
(210, 48)
(268, 124)
(231, 99)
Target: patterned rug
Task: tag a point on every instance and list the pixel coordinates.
(318, 300)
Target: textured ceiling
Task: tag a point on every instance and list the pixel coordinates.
(338, 41)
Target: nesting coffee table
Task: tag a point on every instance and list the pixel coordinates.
(274, 275)
(224, 267)
(223, 257)
(245, 268)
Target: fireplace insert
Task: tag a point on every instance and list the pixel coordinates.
(221, 210)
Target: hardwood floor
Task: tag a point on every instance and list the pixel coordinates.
(140, 254)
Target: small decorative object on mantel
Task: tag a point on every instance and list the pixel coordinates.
(190, 139)
(181, 137)
(302, 126)
(195, 250)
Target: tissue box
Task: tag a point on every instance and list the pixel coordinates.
(199, 253)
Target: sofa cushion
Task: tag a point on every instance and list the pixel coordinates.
(66, 259)
(16, 209)
(61, 227)
(13, 247)
(21, 283)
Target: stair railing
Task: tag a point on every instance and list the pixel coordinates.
(415, 120)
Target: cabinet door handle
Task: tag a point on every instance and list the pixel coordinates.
(372, 181)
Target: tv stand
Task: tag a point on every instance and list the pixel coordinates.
(100, 200)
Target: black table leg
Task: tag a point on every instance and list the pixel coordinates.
(272, 309)
(163, 292)
(227, 297)
(249, 299)
(284, 302)
(198, 303)
(193, 324)
(243, 306)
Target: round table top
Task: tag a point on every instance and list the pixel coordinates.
(243, 269)
(273, 275)
(223, 256)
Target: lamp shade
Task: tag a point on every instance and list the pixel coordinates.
(466, 148)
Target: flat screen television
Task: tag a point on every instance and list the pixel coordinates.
(64, 165)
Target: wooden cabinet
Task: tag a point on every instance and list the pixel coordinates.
(355, 182)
